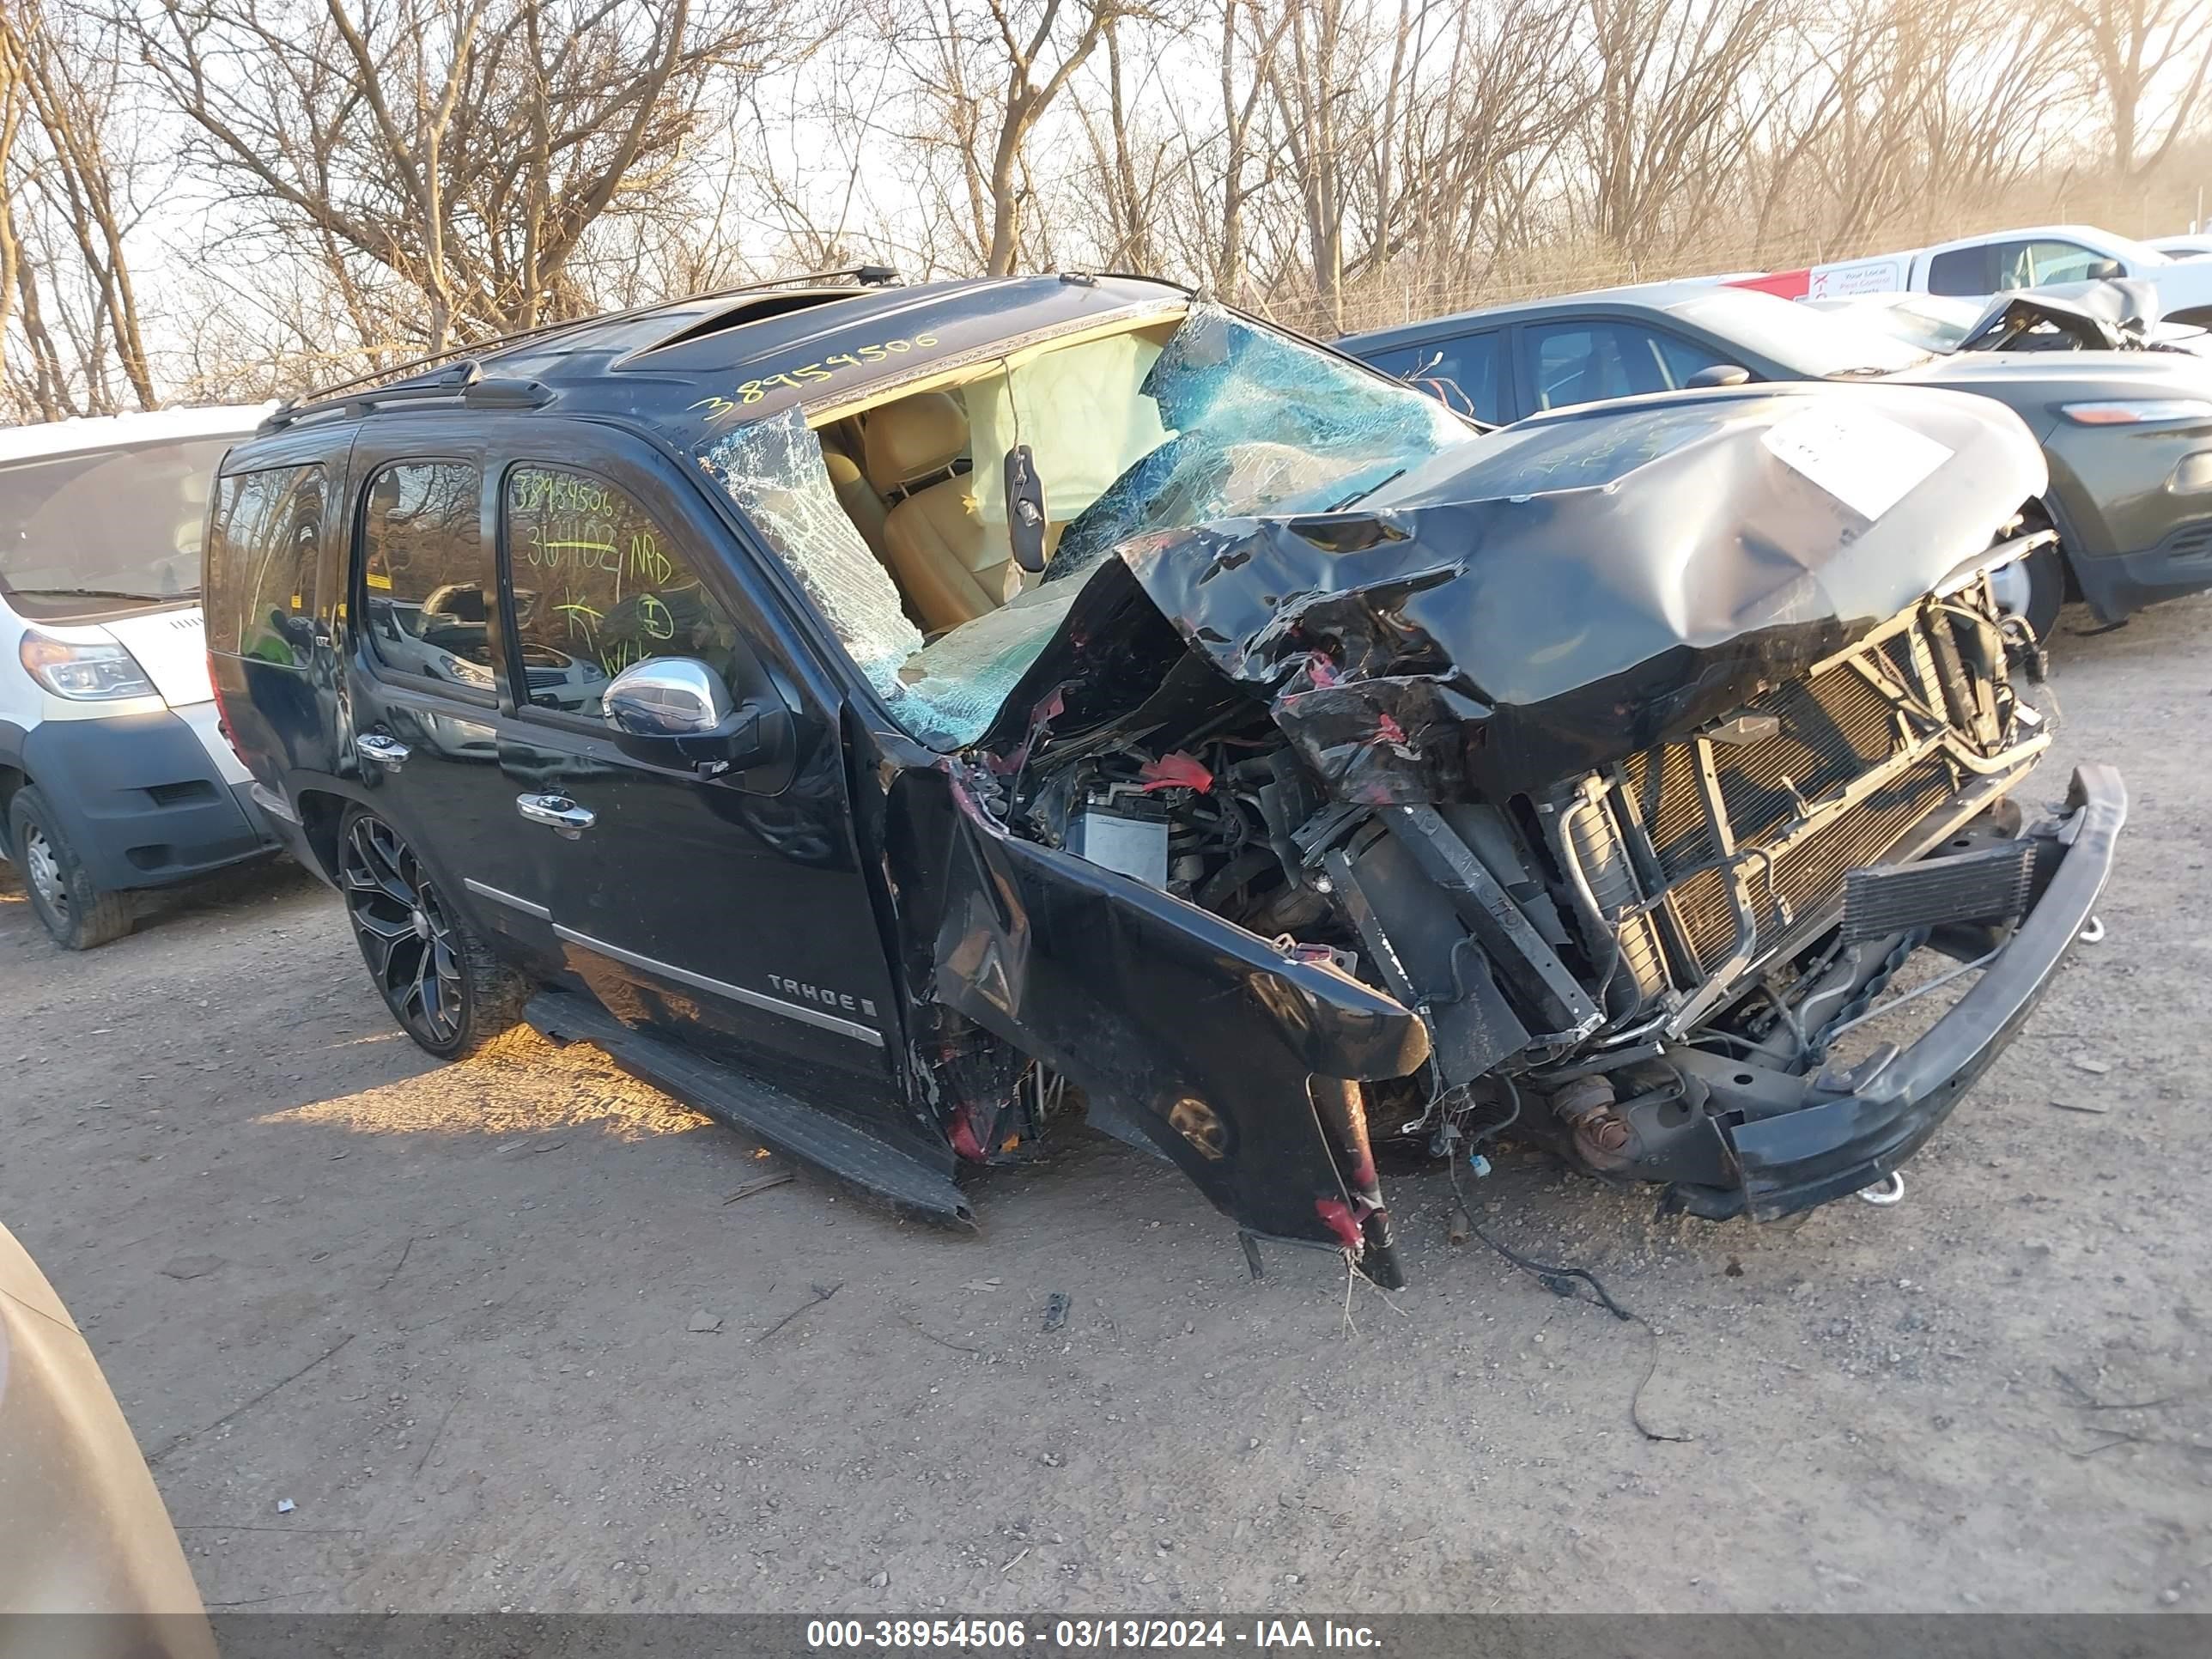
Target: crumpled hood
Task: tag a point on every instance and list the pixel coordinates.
(2117, 315)
(1563, 593)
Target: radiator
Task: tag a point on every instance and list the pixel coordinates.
(1830, 731)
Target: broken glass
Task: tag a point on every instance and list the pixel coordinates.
(1228, 418)
(1263, 423)
(774, 470)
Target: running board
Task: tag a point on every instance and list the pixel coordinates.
(780, 1123)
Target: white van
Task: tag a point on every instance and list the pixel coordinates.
(2038, 256)
(114, 774)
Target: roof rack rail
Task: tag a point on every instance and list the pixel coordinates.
(465, 380)
(466, 358)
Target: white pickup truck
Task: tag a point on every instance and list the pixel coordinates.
(2039, 257)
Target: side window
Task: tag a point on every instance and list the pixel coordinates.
(2060, 262)
(1589, 363)
(1682, 358)
(2011, 265)
(1964, 271)
(1398, 361)
(598, 585)
(1462, 372)
(423, 572)
(262, 539)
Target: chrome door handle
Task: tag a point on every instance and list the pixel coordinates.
(558, 813)
(388, 752)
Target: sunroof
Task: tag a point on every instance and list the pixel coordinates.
(756, 308)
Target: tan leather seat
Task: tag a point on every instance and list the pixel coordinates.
(944, 560)
(855, 495)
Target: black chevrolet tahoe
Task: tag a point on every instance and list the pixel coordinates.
(892, 718)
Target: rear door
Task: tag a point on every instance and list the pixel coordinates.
(727, 912)
(423, 703)
(266, 612)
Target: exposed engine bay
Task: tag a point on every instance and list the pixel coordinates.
(1638, 921)
(1612, 963)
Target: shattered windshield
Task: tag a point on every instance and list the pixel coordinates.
(1158, 428)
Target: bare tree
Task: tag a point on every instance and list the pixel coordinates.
(446, 161)
(987, 76)
(1131, 160)
(2148, 60)
(385, 175)
(11, 121)
(74, 188)
(1664, 78)
(1314, 80)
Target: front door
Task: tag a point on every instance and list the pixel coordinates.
(727, 912)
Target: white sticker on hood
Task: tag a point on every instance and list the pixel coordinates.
(1867, 461)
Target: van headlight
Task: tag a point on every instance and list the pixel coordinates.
(467, 672)
(101, 672)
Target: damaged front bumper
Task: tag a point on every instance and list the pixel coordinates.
(1792, 1156)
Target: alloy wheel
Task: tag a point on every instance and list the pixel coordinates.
(404, 932)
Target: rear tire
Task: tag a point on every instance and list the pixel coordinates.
(79, 914)
(438, 977)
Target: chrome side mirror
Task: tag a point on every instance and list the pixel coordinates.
(666, 697)
(677, 713)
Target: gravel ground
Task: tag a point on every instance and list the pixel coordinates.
(495, 1331)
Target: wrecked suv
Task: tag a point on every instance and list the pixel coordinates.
(890, 719)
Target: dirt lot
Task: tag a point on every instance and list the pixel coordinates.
(453, 1314)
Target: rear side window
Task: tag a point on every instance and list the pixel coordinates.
(598, 585)
(423, 574)
(262, 539)
(1962, 270)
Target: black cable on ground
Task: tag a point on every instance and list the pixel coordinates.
(1560, 1282)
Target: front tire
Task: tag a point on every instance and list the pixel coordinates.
(440, 979)
(2045, 569)
(79, 914)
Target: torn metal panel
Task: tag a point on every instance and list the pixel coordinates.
(2121, 315)
(1183, 1030)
